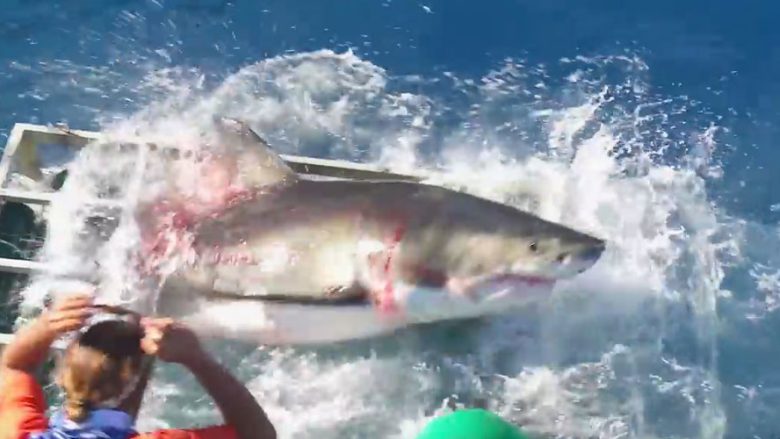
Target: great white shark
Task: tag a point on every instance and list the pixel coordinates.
(298, 260)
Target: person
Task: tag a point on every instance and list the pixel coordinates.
(470, 424)
(103, 373)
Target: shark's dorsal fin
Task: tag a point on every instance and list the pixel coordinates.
(259, 164)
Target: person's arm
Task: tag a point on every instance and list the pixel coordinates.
(30, 347)
(237, 405)
(22, 404)
(175, 343)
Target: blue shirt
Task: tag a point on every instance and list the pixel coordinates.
(101, 424)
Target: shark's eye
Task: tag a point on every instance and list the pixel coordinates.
(563, 257)
(533, 247)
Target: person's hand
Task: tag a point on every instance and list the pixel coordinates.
(30, 346)
(170, 341)
(68, 313)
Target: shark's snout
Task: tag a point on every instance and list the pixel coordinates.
(592, 253)
(587, 257)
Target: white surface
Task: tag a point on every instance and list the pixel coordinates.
(20, 266)
(21, 196)
(5, 339)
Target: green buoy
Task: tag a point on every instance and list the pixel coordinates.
(471, 424)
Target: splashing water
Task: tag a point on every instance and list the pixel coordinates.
(628, 349)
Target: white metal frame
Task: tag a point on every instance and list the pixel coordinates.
(21, 156)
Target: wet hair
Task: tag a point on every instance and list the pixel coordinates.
(99, 366)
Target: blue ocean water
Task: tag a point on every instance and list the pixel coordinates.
(692, 85)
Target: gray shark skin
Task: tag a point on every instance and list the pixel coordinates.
(313, 261)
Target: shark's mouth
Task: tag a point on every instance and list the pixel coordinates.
(520, 278)
(487, 284)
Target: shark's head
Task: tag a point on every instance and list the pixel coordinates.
(496, 252)
(538, 251)
(488, 272)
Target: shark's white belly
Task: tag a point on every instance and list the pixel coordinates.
(284, 323)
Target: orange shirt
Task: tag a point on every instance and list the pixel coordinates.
(23, 408)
